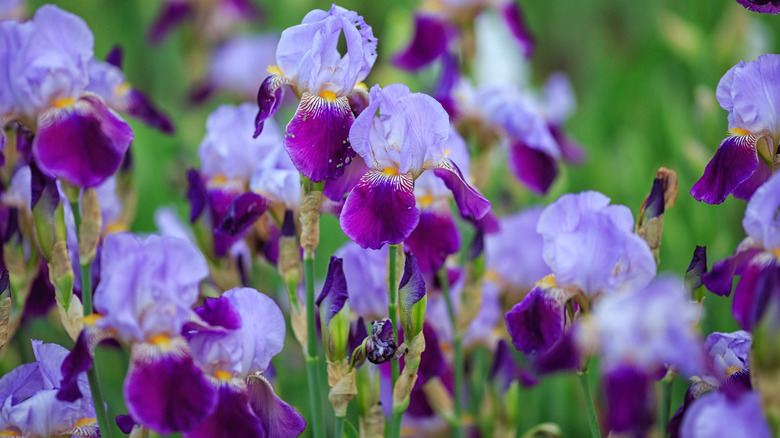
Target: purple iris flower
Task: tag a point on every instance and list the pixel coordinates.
(44, 84)
(748, 91)
(318, 136)
(718, 414)
(762, 6)
(590, 244)
(365, 271)
(28, 402)
(638, 334)
(405, 139)
(145, 295)
(436, 29)
(244, 330)
(107, 80)
(436, 235)
(229, 158)
(755, 259)
(213, 18)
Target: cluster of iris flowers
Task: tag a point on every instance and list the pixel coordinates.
(406, 307)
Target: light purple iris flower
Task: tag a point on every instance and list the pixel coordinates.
(146, 291)
(239, 64)
(244, 330)
(517, 265)
(229, 158)
(43, 84)
(317, 138)
(107, 80)
(637, 335)
(365, 270)
(28, 403)
(755, 259)
(407, 138)
(590, 244)
(718, 414)
(436, 235)
(749, 92)
(762, 6)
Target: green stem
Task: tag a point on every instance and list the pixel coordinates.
(666, 402)
(94, 383)
(458, 346)
(593, 420)
(312, 359)
(479, 378)
(338, 431)
(392, 308)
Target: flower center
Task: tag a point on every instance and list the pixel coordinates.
(87, 421)
(740, 131)
(9, 432)
(91, 319)
(161, 341)
(223, 375)
(426, 201)
(732, 369)
(390, 171)
(64, 102)
(547, 282)
(328, 95)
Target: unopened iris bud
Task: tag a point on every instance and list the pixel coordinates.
(334, 312)
(380, 346)
(90, 227)
(412, 297)
(289, 264)
(650, 221)
(697, 268)
(5, 308)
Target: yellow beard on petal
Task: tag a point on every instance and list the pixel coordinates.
(740, 131)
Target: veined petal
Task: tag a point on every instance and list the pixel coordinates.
(83, 144)
(470, 202)
(434, 239)
(431, 36)
(532, 167)
(278, 418)
(317, 137)
(269, 97)
(338, 188)
(380, 209)
(734, 162)
(231, 418)
(165, 390)
(537, 322)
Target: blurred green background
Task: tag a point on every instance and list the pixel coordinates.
(644, 73)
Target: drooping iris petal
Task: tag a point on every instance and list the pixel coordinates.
(513, 16)
(434, 239)
(83, 144)
(317, 137)
(430, 40)
(716, 414)
(380, 209)
(537, 322)
(758, 286)
(629, 396)
(172, 13)
(278, 418)
(533, 167)
(720, 279)
(761, 221)
(231, 418)
(165, 390)
(139, 105)
(196, 194)
(470, 202)
(243, 212)
(749, 186)
(734, 162)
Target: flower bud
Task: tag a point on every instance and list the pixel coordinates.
(412, 298)
(334, 312)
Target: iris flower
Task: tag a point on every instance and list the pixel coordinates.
(399, 136)
(308, 60)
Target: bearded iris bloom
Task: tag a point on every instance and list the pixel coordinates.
(749, 92)
(44, 85)
(406, 138)
(28, 403)
(243, 330)
(145, 296)
(317, 138)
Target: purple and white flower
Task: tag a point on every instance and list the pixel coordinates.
(762, 6)
(743, 161)
(406, 138)
(317, 138)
